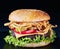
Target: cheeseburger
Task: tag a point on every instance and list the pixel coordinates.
(30, 28)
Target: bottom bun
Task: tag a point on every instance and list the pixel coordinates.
(36, 44)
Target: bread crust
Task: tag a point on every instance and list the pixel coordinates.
(28, 15)
(40, 44)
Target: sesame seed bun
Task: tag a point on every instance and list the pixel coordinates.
(28, 15)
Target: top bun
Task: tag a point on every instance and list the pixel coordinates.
(28, 15)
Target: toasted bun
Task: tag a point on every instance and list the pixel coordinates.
(36, 44)
(28, 15)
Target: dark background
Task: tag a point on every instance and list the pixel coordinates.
(52, 7)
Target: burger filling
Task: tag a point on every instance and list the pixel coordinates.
(36, 38)
(27, 28)
(24, 33)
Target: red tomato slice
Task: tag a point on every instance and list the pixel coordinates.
(28, 31)
(25, 32)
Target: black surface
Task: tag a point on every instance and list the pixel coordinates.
(50, 6)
